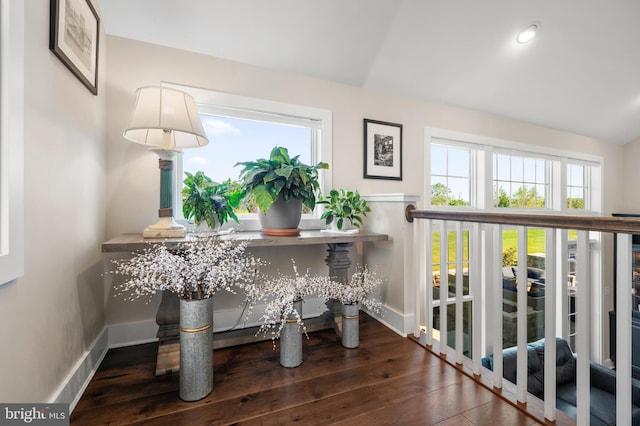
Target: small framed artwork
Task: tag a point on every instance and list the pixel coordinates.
(73, 36)
(382, 150)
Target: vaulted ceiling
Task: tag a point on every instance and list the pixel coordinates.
(580, 74)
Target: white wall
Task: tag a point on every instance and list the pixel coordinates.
(630, 187)
(393, 259)
(51, 316)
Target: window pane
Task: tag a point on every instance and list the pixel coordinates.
(575, 186)
(458, 162)
(438, 160)
(459, 191)
(540, 170)
(502, 166)
(525, 185)
(450, 176)
(517, 166)
(575, 175)
(516, 194)
(529, 171)
(541, 196)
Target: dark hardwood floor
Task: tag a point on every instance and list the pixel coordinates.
(388, 380)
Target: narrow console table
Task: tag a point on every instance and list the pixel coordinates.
(167, 316)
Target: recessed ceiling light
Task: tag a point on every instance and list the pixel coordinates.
(528, 33)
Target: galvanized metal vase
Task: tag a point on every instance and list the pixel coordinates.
(196, 348)
(291, 339)
(350, 325)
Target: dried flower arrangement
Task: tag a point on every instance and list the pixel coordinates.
(361, 284)
(194, 270)
(279, 295)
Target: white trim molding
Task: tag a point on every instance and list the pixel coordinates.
(73, 386)
(11, 140)
(392, 198)
(400, 323)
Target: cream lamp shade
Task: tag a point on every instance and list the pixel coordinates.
(166, 120)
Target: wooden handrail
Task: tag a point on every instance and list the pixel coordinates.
(623, 225)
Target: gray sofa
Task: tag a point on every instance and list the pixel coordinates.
(603, 382)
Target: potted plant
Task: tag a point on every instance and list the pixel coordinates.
(280, 186)
(283, 296)
(194, 271)
(344, 208)
(213, 203)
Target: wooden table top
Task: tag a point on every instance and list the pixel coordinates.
(133, 242)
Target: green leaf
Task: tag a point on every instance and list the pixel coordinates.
(280, 154)
(284, 171)
(263, 197)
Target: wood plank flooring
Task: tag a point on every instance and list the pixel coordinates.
(388, 380)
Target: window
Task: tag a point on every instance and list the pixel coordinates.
(450, 176)
(519, 181)
(244, 129)
(483, 173)
(576, 186)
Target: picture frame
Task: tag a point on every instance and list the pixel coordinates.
(382, 150)
(74, 36)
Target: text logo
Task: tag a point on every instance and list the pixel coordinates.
(34, 414)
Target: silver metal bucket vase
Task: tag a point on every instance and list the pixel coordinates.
(350, 325)
(196, 348)
(291, 339)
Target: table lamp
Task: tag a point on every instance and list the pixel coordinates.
(167, 120)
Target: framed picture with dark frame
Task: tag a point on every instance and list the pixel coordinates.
(74, 34)
(382, 150)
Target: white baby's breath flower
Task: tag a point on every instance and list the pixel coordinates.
(358, 290)
(193, 270)
(279, 295)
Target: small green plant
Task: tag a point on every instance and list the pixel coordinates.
(344, 205)
(510, 257)
(204, 200)
(266, 179)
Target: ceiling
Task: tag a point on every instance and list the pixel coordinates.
(580, 74)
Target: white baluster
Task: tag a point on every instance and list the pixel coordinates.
(623, 330)
(550, 261)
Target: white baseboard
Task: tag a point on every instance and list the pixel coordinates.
(132, 333)
(74, 385)
(400, 323)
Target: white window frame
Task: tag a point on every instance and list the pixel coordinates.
(228, 104)
(11, 140)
